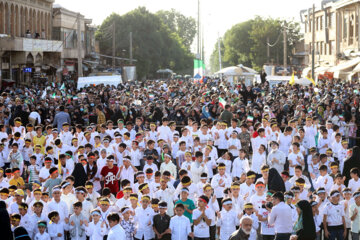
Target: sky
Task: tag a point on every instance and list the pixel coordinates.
(217, 16)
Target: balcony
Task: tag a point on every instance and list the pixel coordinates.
(29, 44)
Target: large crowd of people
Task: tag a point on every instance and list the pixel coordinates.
(180, 160)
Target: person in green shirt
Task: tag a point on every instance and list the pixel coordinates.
(188, 203)
(52, 181)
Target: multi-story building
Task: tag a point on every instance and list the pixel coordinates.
(65, 29)
(336, 37)
(27, 50)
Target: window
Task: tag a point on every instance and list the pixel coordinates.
(321, 23)
(317, 24)
(345, 28)
(321, 48)
(330, 15)
(68, 38)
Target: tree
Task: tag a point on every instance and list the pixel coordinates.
(246, 43)
(185, 27)
(154, 45)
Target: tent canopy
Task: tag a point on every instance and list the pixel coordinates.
(164, 71)
(231, 71)
(246, 69)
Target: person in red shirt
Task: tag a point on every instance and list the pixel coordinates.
(109, 174)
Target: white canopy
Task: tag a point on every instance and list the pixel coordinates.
(231, 71)
(246, 69)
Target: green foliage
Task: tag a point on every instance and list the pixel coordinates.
(246, 43)
(185, 27)
(154, 45)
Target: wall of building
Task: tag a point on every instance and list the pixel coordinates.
(18, 16)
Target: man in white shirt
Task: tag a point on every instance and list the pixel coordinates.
(279, 217)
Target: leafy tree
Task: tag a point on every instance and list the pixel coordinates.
(154, 45)
(184, 26)
(246, 43)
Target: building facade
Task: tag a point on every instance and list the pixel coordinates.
(65, 29)
(336, 37)
(27, 50)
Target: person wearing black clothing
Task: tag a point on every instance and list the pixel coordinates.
(161, 223)
(275, 182)
(305, 225)
(6, 233)
(351, 162)
(79, 173)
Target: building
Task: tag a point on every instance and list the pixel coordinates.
(27, 50)
(336, 32)
(65, 29)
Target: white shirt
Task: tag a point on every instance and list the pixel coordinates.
(227, 222)
(142, 219)
(240, 166)
(61, 207)
(116, 233)
(354, 185)
(180, 227)
(219, 188)
(334, 214)
(44, 236)
(202, 229)
(279, 217)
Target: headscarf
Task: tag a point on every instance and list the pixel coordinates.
(20, 233)
(305, 225)
(351, 162)
(206, 114)
(79, 174)
(6, 233)
(275, 182)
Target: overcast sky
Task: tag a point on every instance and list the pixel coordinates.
(218, 16)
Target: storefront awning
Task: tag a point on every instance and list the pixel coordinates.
(344, 68)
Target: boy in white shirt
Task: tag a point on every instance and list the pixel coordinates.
(354, 183)
(202, 218)
(295, 158)
(228, 219)
(334, 217)
(260, 196)
(354, 213)
(180, 225)
(324, 180)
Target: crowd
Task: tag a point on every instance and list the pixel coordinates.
(180, 160)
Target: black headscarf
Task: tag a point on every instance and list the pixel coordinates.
(351, 162)
(306, 219)
(275, 182)
(6, 233)
(79, 174)
(20, 233)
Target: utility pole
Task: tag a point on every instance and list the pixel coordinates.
(268, 49)
(285, 49)
(219, 47)
(313, 44)
(113, 47)
(130, 51)
(79, 46)
(198, 31)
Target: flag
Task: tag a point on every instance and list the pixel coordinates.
(292, 80)
(310, 110)
(222, 102)
(250, 118)
(206, 93)
(62, 86)
(54, 95)
(43, 96)
(75, 98)
(59, 163)
(311, 80)
(151, 97)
